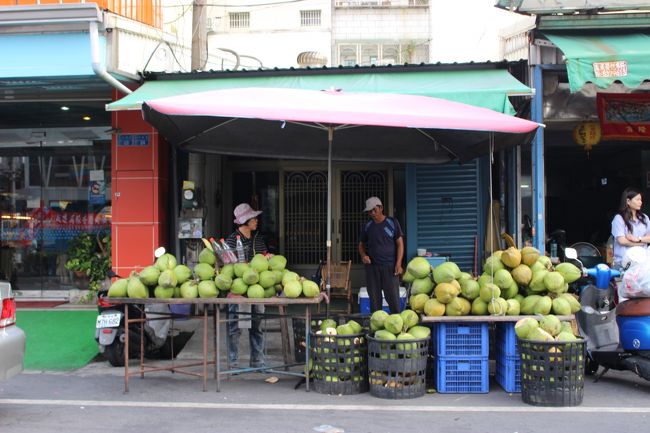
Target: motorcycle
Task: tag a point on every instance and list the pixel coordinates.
(618, 336)
(109, 328)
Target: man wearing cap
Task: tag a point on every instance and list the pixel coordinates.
(246, 221)
(381, 247)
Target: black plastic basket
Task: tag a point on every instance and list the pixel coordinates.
(298, 325)
(552, 373)
(338, 363)
(397, 368)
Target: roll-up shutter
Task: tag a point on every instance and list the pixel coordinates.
(443, 210)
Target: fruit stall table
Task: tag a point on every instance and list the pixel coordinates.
(488, 319)
(280, 302)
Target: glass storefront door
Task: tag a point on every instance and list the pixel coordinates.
(49, 194)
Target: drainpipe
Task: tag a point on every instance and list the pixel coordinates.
(98, 67)
(539, 211)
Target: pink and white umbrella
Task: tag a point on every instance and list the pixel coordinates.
(289, 123)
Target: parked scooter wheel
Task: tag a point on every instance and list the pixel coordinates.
(114, 353)
(591, 366)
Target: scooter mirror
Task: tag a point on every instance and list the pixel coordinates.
(571, 253)
(159, 252)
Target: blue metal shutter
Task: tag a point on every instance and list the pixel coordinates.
(443, 210)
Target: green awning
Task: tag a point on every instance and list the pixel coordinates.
(488, 88)
(605, 58)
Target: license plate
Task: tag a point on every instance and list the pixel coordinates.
(108, 320)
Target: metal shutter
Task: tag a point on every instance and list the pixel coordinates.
(443, 210)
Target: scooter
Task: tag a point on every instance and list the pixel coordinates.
(109, 328)
(618, 336)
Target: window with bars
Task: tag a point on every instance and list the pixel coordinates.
(310, 18)
(239, 20)
(350, 54)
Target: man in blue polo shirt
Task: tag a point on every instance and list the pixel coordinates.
(381, 247)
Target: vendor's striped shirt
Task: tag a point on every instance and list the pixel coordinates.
(252, 246)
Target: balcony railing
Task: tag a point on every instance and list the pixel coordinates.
(145, 11)
(380, 3)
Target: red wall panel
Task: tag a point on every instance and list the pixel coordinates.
(140, 189)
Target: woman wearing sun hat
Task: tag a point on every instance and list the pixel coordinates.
(246, 222)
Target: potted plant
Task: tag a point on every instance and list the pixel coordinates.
(89, 257)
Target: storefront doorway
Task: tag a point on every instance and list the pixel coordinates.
(293, 197)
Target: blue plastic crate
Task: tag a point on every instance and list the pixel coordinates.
(508, 372)
(462, 375)
(461, 339)
(506, 339)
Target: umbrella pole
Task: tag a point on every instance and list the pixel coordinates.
(330, 137)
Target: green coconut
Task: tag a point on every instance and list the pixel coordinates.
(240, 268)
(422, 285)
(255, 291)
(394, 323)
(277, 262)
(292, 289)
(416, 302)
(189, 290)
(434, 308)
(223, 282)
(446, 292)
(204, 271)
(410, 318)
(228, 271)
(310, 289)
(166, 261)
(377, 320)
(207, 256)
(469, 289)
(167, 278)
(118, 288)
(238, 287)
(251, 277)
(183, 273)
(207, 289)
(569, 272)
(149, 275)
(479, 307)
(260, 263)
(419, 267)
(267, 279)
(161, 292)
(446, 272)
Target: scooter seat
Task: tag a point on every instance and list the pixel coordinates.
(634, 308)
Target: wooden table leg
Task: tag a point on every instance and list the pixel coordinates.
(284, 333)
(214, 340)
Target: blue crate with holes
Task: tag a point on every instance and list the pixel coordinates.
(506, 339)
(456, 375)
(508, 372)
(461, 339)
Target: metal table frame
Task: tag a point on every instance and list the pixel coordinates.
(279, 302)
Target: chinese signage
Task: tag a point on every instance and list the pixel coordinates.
(131, 140)
(610, 69)
(624, 116)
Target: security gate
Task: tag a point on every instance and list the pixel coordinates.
(305, 211)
